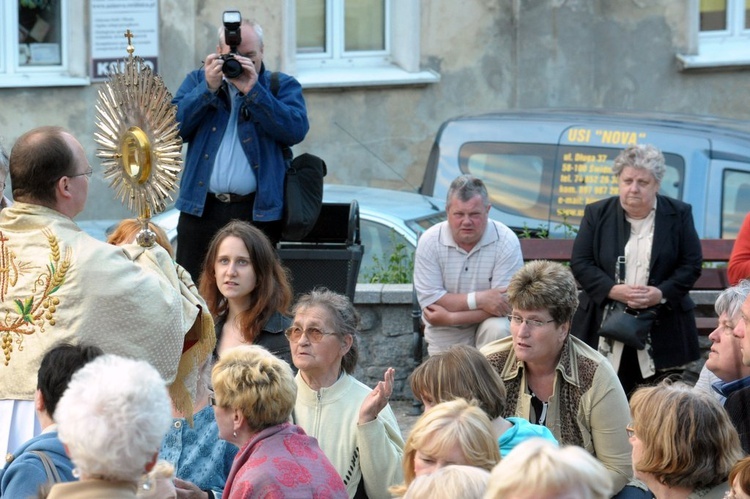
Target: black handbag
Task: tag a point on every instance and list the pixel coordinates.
(621, 323)
(628, 325)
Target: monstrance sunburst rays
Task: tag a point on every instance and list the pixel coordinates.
(138, 137)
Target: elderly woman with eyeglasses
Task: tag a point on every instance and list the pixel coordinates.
(354, 424)
(556, 380)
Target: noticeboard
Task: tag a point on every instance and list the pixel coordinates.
(110, 19)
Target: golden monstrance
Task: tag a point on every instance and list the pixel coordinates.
(141, 149)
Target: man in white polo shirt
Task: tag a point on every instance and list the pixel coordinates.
(461, 269)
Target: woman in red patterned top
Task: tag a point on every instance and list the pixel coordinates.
(254, 397)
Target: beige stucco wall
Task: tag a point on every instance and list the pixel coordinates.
(490, 54)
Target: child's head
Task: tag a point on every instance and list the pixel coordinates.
(459, 372)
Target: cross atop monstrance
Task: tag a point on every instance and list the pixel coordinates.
(129, 35)
(139, 137)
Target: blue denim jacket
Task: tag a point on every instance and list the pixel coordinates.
(266, 124)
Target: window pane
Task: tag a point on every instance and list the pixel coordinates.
(364, 25)
(39, 33)
(311, 26)
(517, 176)
(380, 241)
(713, 15)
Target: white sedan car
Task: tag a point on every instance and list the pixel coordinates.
(387, 218)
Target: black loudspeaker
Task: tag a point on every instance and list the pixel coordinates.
(330, 255)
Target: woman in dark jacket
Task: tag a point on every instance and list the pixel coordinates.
(247, 290)
(662, 251)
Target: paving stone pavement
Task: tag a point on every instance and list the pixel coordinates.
(404, 411)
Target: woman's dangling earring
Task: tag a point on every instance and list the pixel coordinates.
(147, 482)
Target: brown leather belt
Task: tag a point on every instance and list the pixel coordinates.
(228, 197)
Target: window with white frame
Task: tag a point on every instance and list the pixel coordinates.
(357, 42)
(36, 43)
(342, 33)
(723, 34)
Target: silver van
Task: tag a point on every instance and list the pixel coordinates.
(543, 167)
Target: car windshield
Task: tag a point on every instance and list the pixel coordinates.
(420, 225)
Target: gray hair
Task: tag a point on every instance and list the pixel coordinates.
(245, 22)
(465, 187)
(113, 416)
(344, 319)
(643, 157)
(731, 299)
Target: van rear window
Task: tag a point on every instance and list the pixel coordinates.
(545, 182)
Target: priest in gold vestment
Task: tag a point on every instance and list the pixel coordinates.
(58, 283)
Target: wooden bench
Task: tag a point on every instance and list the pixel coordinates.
(711, 279)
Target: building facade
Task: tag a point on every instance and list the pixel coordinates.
(380, 76)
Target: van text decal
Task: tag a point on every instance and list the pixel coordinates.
(605, 137)
(584, 177)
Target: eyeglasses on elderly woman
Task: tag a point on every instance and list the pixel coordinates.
(313, 334)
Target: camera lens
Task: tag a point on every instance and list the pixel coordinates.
(231, 68)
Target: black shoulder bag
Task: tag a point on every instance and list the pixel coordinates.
(622, 323)
(303, 188)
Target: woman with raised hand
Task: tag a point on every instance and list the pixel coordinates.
(354, 424)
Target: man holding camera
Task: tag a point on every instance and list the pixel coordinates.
(239, 124)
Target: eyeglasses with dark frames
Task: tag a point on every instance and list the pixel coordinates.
(313, 334)
(212, 400)
(532, 323)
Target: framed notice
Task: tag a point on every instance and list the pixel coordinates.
(110, 19)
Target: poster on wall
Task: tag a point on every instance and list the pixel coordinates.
(110, 19)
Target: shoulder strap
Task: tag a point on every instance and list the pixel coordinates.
(275, 83)
(49, 467)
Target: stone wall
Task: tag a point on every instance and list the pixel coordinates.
(387, 333)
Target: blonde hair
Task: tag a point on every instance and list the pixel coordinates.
(445, 425)
(253, 380)
(741, 471)
(687, 437)
(127, 229)
(538, 468)
(450, 482)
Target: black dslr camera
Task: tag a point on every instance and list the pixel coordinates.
(232, 37)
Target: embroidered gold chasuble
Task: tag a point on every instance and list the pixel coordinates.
(59, 283)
